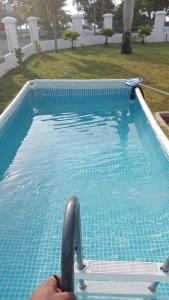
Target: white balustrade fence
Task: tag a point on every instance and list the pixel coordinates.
(160, 33)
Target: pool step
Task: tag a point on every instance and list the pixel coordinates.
(115, 290)
(105, 279)
(122, 271)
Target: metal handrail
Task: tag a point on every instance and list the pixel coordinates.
(71, 243)
(165, 268)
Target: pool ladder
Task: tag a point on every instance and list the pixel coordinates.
(104, 279)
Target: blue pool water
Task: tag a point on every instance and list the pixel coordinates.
(99, 146)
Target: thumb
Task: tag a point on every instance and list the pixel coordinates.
(52, 283)
(64, 296)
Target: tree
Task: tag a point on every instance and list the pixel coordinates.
(101, 7)
(150, 6)
(72, 36)
(1, 16)
(143, 13)
(22, 9)
(48, 10)
(64, 19)
(128, 9)
(107, 32)
(140, 17)
(1, 28)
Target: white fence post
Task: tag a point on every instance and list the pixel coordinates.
(158, 31)
(11, 34)
(108, 21)
(77, 23)
(33, 29)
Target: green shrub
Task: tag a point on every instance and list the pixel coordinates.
(107, 32)
(71, 36)
(38, 47)
(19, 56)
(144, 31)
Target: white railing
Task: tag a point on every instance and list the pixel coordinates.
(159, 34)
(49, 45)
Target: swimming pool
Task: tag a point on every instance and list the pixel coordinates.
(60, 138)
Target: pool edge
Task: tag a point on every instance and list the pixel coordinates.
(162, 138)
(13, 105)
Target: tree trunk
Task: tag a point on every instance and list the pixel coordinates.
(128, 9)
(56, 41)
(106, 41)
(55, 35)
(142, 39)
(94, 16)
(126, 47)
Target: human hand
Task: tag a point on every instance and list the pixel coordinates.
(49, 291)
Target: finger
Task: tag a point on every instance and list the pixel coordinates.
(58, 281)
(65, 296)
(52, 283)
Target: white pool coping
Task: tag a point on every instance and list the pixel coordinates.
(12, 107)
(162, 138)
(83, 84)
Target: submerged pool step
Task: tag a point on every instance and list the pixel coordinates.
(122, 271)
(109, 289)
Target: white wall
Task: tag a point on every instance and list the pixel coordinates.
(153, 38)
(8, 64)
(82, 41)
(166, 34)
(10, 59)
(49, 45)
(28, 51)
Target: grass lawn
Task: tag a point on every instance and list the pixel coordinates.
(150, 61)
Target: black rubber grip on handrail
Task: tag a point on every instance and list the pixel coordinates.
(71, 242)
(133, 93)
